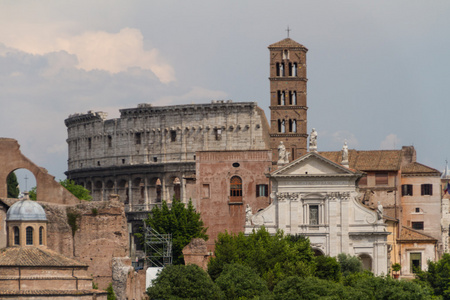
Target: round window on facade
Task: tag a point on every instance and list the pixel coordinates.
(236, 165)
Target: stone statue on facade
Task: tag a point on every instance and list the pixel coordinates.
(248, 215)
(313, 140)
(283, 155)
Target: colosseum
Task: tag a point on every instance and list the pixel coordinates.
(149, 153)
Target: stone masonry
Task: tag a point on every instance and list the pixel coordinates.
(148, 154)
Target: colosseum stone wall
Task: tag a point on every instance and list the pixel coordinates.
(149, 153)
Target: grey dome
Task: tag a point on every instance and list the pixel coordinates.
(26, 210)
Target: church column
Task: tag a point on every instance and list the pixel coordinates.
(344, 224)
(294, 216)
(334, 241)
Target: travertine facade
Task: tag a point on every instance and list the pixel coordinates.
(148, 154)
(318, 198)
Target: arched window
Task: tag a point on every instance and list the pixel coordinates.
(41, 235)
(16, 235)
(29, 235)
(235, 189)
(281, 126)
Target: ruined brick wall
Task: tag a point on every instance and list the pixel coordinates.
(99, 236)
(47, 189)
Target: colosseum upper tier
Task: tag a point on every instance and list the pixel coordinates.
(149, 153)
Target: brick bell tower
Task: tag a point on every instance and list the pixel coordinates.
(288, 98)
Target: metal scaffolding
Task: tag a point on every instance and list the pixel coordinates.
(158, 248)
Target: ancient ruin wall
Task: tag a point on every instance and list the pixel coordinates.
(92, 233)
(148, 150)
(47, 189)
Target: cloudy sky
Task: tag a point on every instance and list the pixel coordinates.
(379, 71)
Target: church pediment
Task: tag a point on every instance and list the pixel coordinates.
(313, 164)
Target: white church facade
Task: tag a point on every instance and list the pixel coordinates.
(317, 198)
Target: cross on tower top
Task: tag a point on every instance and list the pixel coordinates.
(288, 31)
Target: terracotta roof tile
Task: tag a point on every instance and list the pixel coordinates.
(417, 168)
(409, 234)
(34, 256)
(287, 43)
(373, 160)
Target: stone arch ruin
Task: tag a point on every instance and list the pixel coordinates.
(48, 189)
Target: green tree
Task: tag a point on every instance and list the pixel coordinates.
(184, 223)
(437, 276)
(184, 282)
(387, 288)
(327, 268)
(77, 190)
(349, 264)
(313, 288)
(241, 282)
(13, 185)
(32, 193)
(273, 257)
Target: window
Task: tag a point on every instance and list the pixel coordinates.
(417, 209)
(109, 141)
(381, 178)
(173, 136)
(29, 235)
(205, 191)
(262, 190)
(281, 126)
(137, 138)
(407, 190)
(416, 262)
(427, 189)
(41, 235)
(235, 189)
(286, 54)
(16, 235)
(89, 143)
(417, 225)
(155, 159)
(314, 215)
(218, 134)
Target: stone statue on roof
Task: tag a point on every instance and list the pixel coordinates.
(380, 211)
(313, 140)
(345, 154)
(283, 155)
(248, 215)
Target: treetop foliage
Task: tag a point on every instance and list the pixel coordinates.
(184, 282)
(241, 282)
(437, 276)
(77, 190)
(273, 257)
(12, 185)
(184, 223)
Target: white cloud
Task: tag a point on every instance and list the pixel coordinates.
(390, 142)
(97, 50)
(339, 137)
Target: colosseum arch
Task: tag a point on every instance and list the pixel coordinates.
(48, 189)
